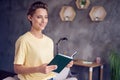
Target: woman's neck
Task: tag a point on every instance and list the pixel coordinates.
(37, 34)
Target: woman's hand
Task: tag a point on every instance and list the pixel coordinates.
(70, 64)
(46, 69)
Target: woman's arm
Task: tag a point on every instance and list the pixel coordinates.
(21, 69)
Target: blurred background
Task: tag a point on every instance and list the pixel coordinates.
(91, 39)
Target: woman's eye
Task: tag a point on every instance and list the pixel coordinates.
(46, 17)
(39, 17)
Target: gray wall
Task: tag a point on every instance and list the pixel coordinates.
(90, 39)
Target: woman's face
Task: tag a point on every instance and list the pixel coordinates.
(39, 19)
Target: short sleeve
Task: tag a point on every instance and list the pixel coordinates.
(20, 51)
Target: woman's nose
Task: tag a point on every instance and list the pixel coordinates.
(43, 20)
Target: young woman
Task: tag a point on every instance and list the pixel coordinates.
(34, 50)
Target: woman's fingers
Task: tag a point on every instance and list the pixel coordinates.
(70, 64)
(50, 68)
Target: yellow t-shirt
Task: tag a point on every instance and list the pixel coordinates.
(31, 51)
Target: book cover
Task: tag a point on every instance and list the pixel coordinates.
(61, 61)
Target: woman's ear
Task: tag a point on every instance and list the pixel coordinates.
(29, 17)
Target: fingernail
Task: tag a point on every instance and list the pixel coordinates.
(56, 67)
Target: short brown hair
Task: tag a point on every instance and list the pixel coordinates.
(35, 6)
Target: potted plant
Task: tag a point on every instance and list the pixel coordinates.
(82, 3)
(115, 65)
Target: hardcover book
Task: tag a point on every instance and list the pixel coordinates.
(61, 61)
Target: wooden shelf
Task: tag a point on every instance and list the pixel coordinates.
(97, 13)
(80, 6)
(67, 13)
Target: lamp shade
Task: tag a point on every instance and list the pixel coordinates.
(97, 13)
(67, 13)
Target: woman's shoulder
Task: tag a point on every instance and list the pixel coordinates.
(23, 37)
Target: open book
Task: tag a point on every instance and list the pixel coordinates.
(61, 61)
